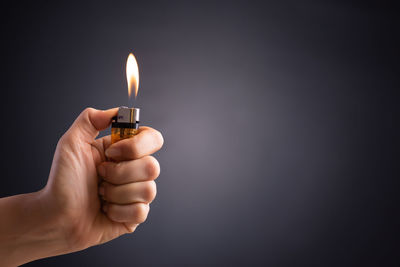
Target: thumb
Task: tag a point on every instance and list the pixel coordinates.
(90, 122)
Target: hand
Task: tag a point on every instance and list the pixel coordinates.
(68, 215)
(128, 187)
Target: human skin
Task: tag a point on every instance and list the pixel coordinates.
(68, 214)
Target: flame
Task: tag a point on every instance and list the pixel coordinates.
(132, 74)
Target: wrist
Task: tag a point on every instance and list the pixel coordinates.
(28, 229)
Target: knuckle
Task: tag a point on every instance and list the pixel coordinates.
(152, 167)
(65, 139)
(141, 212)
(158, 138)
(87, 111)
(149, 191)
(85, 114)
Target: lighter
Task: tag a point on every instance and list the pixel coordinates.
(126, 123)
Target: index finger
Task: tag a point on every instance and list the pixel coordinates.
(146, 142)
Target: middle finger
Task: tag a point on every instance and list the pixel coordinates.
(143, 169)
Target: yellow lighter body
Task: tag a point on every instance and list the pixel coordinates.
(118, 134)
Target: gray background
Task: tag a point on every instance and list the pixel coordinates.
(278, 119)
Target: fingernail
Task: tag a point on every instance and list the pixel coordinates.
(105, 207)
(101, 190)
(113, 152)
(101, 170)
(133, 228)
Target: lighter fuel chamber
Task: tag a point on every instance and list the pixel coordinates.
(125, 124)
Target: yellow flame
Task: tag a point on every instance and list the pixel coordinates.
(132, 74)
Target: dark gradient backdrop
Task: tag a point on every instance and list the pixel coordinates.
(278, 118)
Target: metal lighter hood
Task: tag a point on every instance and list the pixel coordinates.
(128, 115)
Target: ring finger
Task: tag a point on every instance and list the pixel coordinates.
(143, 192)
